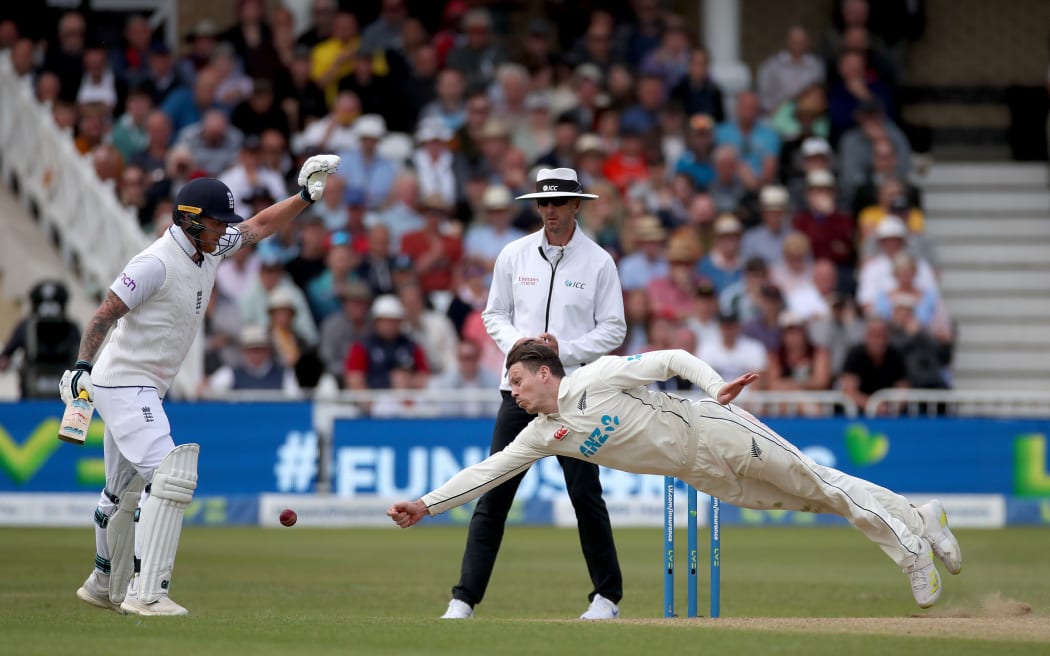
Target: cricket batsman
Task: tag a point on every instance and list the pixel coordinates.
(709, 444)
(157, 306)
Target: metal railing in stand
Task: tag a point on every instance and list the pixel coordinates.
(896, 402)
(807, 403)
(399, 403)
(60, 184)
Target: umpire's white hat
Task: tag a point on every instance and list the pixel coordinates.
(556, 183)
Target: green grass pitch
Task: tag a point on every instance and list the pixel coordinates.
(374, 591)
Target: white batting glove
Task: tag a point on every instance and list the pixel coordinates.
(75, 381)
(314, 175)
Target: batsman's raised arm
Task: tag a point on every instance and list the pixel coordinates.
(312, 177)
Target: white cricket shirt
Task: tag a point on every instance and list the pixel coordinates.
(167, 294)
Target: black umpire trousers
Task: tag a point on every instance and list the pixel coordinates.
(490, 516)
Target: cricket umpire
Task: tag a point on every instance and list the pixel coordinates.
(557, 286)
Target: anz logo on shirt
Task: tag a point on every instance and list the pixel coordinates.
(598, 436)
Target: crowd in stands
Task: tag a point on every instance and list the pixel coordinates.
(775, 231)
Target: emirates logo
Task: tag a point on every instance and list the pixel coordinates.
(561, 433)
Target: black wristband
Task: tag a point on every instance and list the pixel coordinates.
(82, 365)
(305, 195)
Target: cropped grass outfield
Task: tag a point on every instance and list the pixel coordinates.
(374, 591)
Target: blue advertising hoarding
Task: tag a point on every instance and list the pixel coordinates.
(246, 448)
(407, 458)
(253, 449)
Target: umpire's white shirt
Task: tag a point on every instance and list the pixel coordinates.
(571, 291)
(605, 416)
(167, 294)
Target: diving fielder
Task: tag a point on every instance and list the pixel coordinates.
(158, 304)
(709, 444)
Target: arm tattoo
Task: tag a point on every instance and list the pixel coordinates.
(112, 308)
(270, 220)
(249, 236)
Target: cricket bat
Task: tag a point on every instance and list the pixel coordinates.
(76, 419)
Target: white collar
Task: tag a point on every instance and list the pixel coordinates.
(548, 247)
(187, 246)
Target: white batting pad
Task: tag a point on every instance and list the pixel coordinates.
(160, 521)
(120, 537)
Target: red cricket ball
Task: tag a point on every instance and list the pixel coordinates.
(288, 517)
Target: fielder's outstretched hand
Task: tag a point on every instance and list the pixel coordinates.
(407, 513)
(314, 174)
(733, 388)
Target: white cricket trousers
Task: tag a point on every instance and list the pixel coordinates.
(744, 462)
(137, 438)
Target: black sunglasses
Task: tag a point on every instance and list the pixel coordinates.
(557, 202)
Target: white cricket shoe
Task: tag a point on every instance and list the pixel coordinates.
(925, 581)
(95, 591)
(601, 609)
(940, 537)
(162, 606)
(458, 610)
